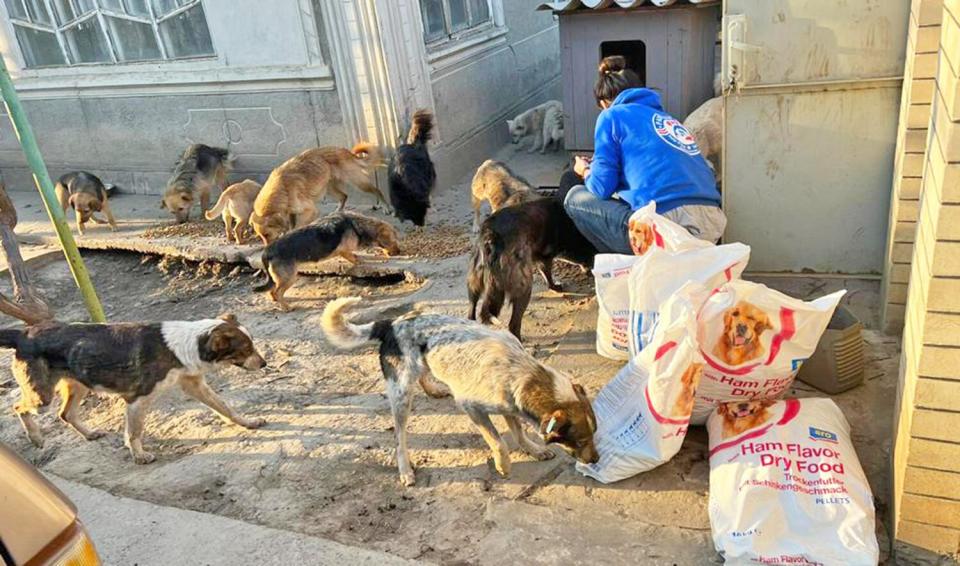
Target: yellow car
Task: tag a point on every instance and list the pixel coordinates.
(38, 524)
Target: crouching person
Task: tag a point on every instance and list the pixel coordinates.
(641, 154)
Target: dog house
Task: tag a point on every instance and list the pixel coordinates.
(671, 47)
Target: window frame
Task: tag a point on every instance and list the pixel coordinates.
(449, 34)
(101, 14)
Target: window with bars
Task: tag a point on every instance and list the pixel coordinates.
(444, 19)
(72, 32)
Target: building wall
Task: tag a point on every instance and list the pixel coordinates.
(476, 91)
(922, 43)
(267, 95)
(927, 443)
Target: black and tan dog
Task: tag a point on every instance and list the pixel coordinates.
(338, 234)
(133, 360)
(512, 242)
(198, 170)
(86, 194)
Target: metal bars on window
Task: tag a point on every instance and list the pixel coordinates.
(72, 32)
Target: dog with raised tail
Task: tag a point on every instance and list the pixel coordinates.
(486, 370)
(412, 176)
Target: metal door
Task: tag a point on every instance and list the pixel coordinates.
(811, 108)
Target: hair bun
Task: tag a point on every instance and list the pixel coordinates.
(613, 64)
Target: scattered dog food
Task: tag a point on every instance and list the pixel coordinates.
(438, 241)
(185, 230)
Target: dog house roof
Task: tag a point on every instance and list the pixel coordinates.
(574, 5)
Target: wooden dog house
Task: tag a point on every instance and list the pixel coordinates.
(672, 48)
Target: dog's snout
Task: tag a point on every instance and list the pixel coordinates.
(254, 362)
(741, 329)
(743, 406)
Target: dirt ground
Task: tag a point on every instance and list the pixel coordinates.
(324, 465)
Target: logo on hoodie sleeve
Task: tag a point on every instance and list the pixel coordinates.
(674, 134)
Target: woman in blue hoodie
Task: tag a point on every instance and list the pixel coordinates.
(641, 154)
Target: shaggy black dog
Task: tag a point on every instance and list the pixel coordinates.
(512, 242)
(412, 175)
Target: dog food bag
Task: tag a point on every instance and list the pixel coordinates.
(786, 486)
(753, 340)
(648, 231)
(643, 412)
(660, 273)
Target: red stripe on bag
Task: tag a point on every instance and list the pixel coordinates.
(660, 418)
(788, 328)
(790, 412)
(662, 350)
(657, 238)
(730, 371)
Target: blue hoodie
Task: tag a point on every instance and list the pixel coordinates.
(644, 154)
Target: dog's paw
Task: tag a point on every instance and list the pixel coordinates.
(541, 453)
(254, 423)
(144, 458)
(556, 288)
(95, 434)
(503, 466)
(408, 479)
(37, 441)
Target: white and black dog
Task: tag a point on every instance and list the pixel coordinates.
(133, 360)
(486, 370)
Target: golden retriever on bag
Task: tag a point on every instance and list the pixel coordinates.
(741, 416)
(289, 198)
(740, 341)
(683, 406)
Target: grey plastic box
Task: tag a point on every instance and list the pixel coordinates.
(837, 364)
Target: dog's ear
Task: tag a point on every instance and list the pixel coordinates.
(722, 409)
(163, 204)
(228, 317)
(510, 124)
(553, 427)
(767, 403)
(763, 323)
(73, 200)
(587, 407)
(218, 342)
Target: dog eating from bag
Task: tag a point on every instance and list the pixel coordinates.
(786, 486)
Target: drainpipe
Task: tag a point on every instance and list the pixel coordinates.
(42, 178)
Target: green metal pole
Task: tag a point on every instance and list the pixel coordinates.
(42, 178)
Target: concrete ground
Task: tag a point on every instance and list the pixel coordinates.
(323, 465)
(128, 531)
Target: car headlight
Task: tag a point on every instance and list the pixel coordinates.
(74, 548)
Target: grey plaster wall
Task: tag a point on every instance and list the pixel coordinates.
(474, 98)
(134, 141)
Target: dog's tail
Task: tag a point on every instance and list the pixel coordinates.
(369, 152)
(340, 332)
(10, 337)
(217, 208)
(422, 129)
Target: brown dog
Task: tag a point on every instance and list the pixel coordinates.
(86, 193)
(496, 184)
(199, 169)
(235, 205)
(338, 234)
(742, 326)
(641, 236)
(683, 406)
(741, 416)
(289, 198)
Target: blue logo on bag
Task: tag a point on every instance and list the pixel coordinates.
(672, 131)
(795, 364)
(822, 435)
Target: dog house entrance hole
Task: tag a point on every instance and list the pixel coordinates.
(634, 51)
